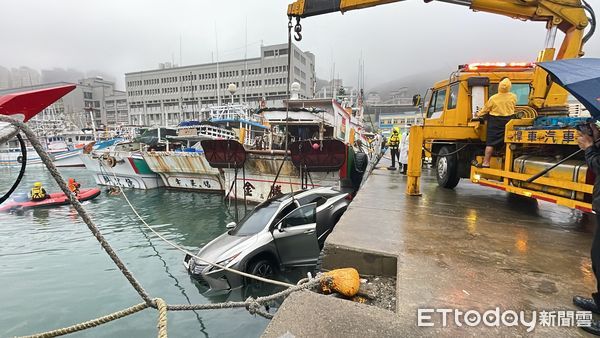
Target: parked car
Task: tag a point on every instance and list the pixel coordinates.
(282, 232)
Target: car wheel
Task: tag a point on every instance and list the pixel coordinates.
(261, 268)
(447, 169)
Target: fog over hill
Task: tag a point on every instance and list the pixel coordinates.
(416, 83)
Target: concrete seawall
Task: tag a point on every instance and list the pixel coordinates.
(471, 248)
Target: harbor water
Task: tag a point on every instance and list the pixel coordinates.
(55, 274)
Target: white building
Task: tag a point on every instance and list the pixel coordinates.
(373, 98)
(168, 95)
(97, 98)
(18, 77)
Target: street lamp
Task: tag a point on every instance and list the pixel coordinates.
(232, 88)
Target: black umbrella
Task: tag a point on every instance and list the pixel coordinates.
(581, 77)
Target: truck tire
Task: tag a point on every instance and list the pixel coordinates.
(361, 161)
(447, 168)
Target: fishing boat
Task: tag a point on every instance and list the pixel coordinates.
(187, 168)
(123, 165)
(61, 154)
(311, 130)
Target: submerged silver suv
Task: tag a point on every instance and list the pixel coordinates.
(282, 232)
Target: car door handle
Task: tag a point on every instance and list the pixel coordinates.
(309, 232)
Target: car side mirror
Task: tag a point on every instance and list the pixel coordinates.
(416, 100)
(230, 225)
(280, 227)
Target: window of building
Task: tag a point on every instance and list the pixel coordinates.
(87, 95)
(269, 53)
(283, 51)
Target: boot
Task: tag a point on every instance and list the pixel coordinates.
(586, 304)
(593, 329)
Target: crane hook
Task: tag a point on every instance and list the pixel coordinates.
(298, 30)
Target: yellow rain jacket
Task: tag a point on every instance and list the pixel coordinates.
(394, 141)
(38, 193)
(501, 104)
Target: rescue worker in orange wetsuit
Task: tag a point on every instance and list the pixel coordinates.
(74, 186)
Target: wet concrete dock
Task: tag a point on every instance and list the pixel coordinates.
(472, 248)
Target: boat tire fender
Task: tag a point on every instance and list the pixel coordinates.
(109, 160)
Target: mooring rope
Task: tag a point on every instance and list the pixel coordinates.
(162, 318)
(77, 205)
(91, 323)
(252, 305)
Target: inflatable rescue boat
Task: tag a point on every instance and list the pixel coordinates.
(59, 198)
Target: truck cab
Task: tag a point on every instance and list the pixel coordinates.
(536, 139)
(455, 101)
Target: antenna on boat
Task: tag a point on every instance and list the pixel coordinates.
(246, 63)
(218, 76)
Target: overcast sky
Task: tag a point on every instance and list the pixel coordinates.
(395, 40)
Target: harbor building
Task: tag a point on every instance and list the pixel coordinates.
(170, 94)
(19, 77)
(97, 99)
(388, 115)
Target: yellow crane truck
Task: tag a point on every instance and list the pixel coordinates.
(539, 136)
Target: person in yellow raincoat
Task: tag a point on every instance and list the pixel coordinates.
(394, 144)
(500, 108)
(38, 193)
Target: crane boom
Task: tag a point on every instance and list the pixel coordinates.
(545, 97)
(569, 16)
(565, 14)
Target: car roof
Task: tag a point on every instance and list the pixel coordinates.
(294, 195)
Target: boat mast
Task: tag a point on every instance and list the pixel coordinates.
(246, 63)
(218, 75)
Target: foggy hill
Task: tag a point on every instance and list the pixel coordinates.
(416, 83)
(71, 75)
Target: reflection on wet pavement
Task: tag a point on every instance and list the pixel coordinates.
(471, 247)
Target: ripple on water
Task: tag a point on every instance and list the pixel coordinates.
(54, 272)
